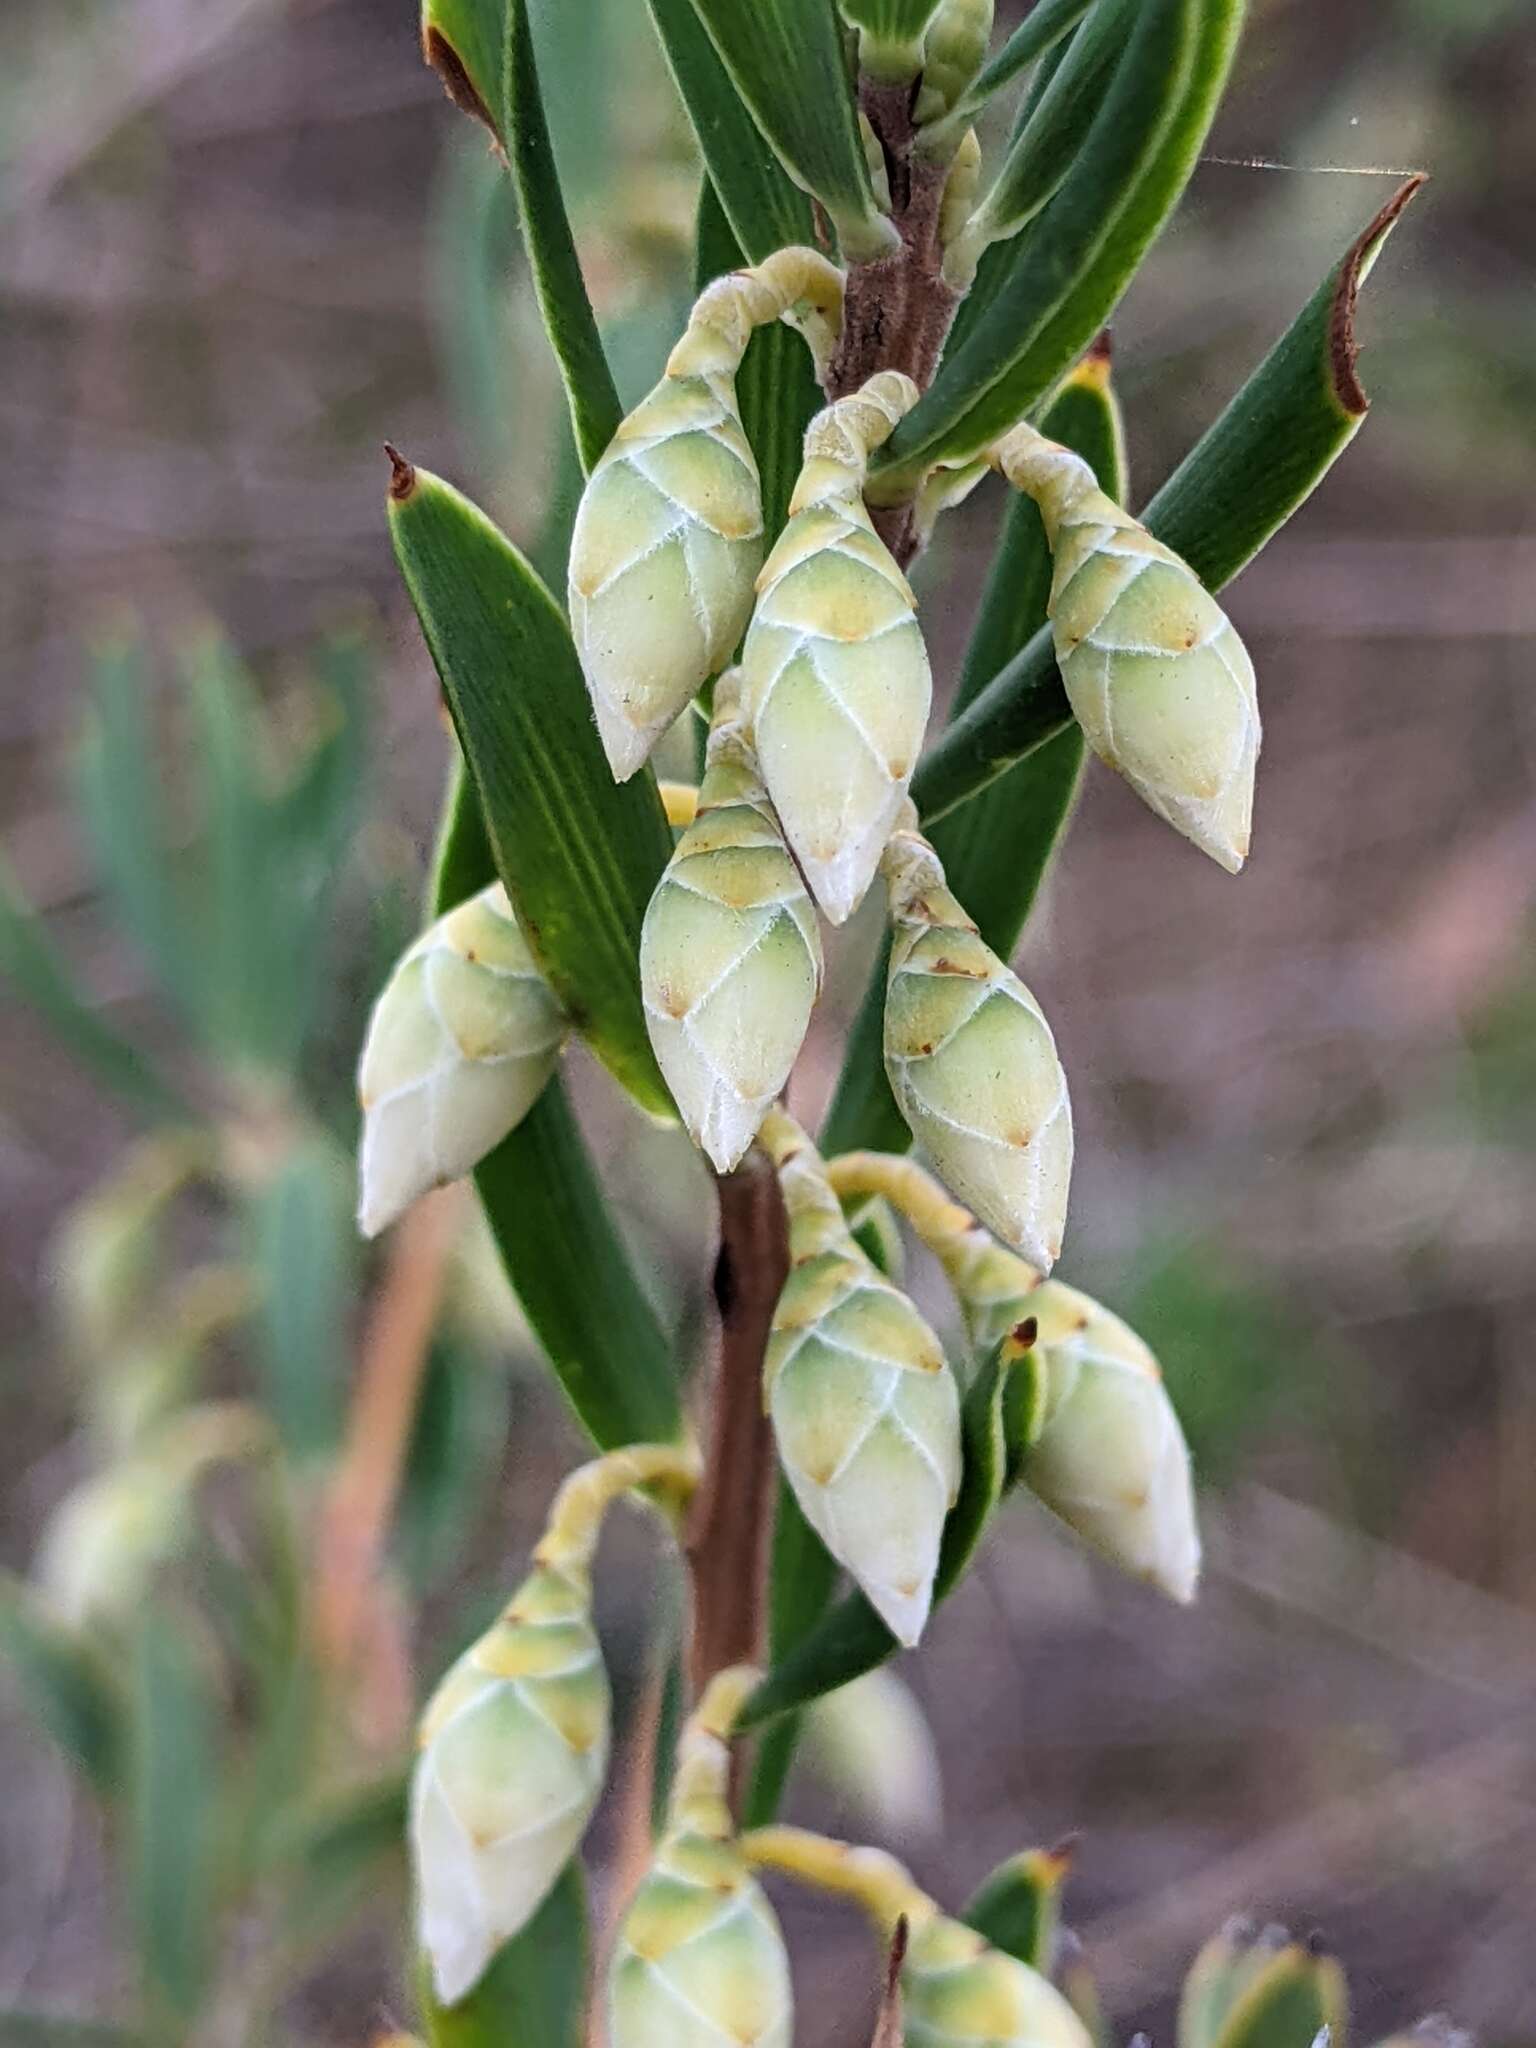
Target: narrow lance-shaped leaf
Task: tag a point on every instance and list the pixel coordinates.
(1259, 460)
(1040, 30)
(1018, 1906)
(1085, 247)
(785, 60)
(578, 856)
(765, 209)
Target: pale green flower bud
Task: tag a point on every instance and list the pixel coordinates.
(954, 50)
(835, 677)
(1154, 671)
(1110, 1458)
(730, 953)
(669, 532)
(108, 1243)
(865, 1411)
(958, 1989)
(870, 1742)
(972, 1062)
(699, 1959)
(460, 1045)
(514, 1741)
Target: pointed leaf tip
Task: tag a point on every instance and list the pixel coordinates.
(402, 475)
(440, 55)
(1344, 348)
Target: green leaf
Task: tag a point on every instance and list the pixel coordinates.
(533, 1993)
(465, 43)
(1085, 247)
(578, 853)
(122, 802)
(568, 317)
(1262, 458)
(766, 211)
(1041, 155)
(170, 1850)
(1017, 1908)
(575, 1280)
(1289, 2004)
(43, 2030)
(785, 59)
(33, 969)
(891, 35)
(462, 860)
(852, 1639)
(69, 1688)
(1040, 30)
(302, 1240)
(334, 1852)
(997, 848)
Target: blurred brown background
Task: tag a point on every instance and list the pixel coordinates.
(242, 241)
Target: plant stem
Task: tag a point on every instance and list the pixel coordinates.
(733, 1510)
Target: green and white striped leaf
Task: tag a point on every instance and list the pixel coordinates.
(579, 857)
(890, 35)
(785, 59)
(1136, 158)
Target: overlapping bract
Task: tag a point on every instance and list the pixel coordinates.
(514, 1742)
(972, 1062)
(954, 50)
(957, 1990)
(865, 1411)
(459, 1047)
(1154, 670)
(1110, 1458)
(835, 678)
(514, 1750)
(699, 1961)
(730, 954)
(669, 532)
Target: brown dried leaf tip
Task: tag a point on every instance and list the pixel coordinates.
(888, 2022)
(1025, 1333)
(402, 479)
(1343, 348)
(456, 81)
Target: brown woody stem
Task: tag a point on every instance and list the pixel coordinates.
(728, 1533)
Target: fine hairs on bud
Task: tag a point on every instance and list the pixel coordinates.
(669, 531)
(730, 952)
(835, 676)
(865, 1411)
(972, 1062)
(460, 1045)
(1154, 670)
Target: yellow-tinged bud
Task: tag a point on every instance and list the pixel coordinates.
(514, 1742)
(1110, 1458)
(972, 1062)
(669, 531)
(865, 1411)
(1154, 670)
(460, 1045)
(835, 676)
(699, 1960)
(730, 953)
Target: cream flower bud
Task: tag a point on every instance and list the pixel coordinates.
(669, 531)
(1154, 671)
(1110, 1458)
(972, 1062)
(460, 1044)
(730, 953)
(513, 1746)
(699, 1960)
(865, 1411)
(835, 677)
